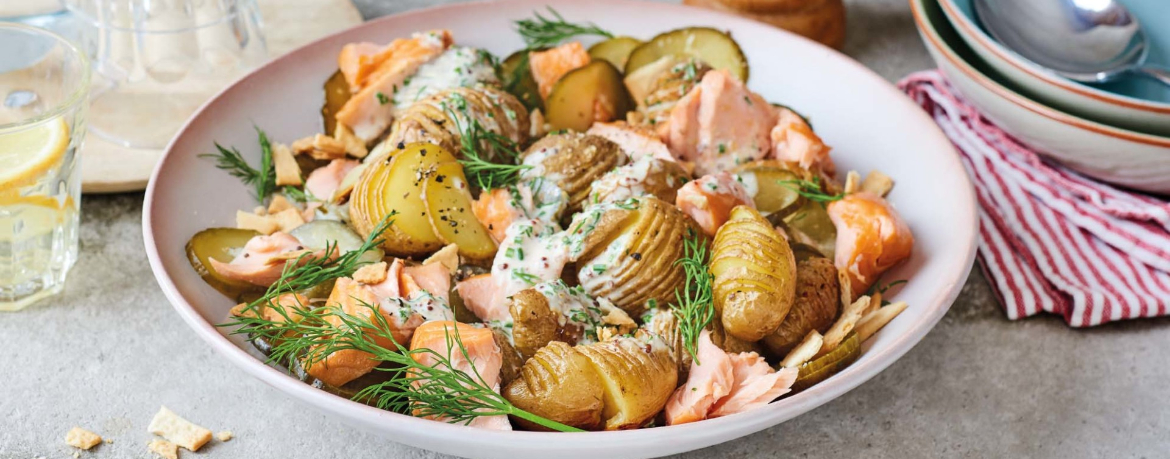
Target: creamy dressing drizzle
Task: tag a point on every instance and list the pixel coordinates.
(749, 182)
(458, 67)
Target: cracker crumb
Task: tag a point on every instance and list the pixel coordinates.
(81, 438)
(164, 448)
(371, 274)
(182, 432)
(225, 435)
(76, 454)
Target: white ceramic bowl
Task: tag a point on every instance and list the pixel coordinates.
(869, 123)
(1120, 108)
(1127, 158)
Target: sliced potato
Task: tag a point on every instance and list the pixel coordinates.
(754, 273)
(336, 95)
(448, 203)
(220, 244)
(615, 50)
(773, 198)
(396, 185)
(573, 161)
(714, 47)
(558, 383)
(637, 377)
(516, 78)
(816, 307)
(318, 234)
(591, 93)
(821, 368)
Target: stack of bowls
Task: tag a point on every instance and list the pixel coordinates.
(1118, 133)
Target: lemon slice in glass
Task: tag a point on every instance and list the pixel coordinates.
(28, 153)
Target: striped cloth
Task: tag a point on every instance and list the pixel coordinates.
(1050, 239)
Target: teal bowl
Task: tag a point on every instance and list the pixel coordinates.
(1133, 103)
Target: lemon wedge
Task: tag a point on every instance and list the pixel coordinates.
(27, 154)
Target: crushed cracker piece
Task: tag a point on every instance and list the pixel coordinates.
(279, 203)
(353, 145)
(448, 256)
(371, 274)
(877, 183)
(320, 146)
(852, 182)
(182, 432)
(164, 448)
(225, 435)
(288, 172)
(81, 438)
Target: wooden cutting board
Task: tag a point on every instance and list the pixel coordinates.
(289, 24)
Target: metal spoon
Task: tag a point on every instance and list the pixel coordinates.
(1092, 41)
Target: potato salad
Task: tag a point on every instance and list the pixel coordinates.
(595, 232)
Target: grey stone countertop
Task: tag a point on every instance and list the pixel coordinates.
(108, 351)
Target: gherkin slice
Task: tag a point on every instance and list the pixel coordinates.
(821, 368)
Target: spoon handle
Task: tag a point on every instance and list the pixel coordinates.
(1151, 71)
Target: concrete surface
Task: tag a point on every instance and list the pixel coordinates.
(110, 350)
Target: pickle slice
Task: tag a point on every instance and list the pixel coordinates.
(318, 234)
(615, 50)
(350, 389)
(336, 95)
(517, 79)
(220, 244)
(812, 221)
(821, 368)
(774, 199)
(591, 93)
(714, 47)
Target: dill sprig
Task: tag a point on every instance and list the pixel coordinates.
(545, 32)
(441, 391)
(877, 288)
(479, 146)
(695, 303)
(811, 190)
(262, 179)
(309, 270)
(297, 194)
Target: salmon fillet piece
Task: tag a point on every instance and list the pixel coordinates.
(483, 357)
(793, 140)
(710, 379)
(871, 238)
(720, 124)
(263, 259)
(756, 384)
(370, 110)
(550, 65)
(710, 198)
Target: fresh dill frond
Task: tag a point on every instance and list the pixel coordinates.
(481, 148)
(811, 190)
(308, 270)
(297, 194)
(263, 180)
(878, 288)
(694, 307)
(546, 32)
(441, 391)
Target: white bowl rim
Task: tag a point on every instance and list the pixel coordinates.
(1020, 100)
(737, 426)
(1024, 65)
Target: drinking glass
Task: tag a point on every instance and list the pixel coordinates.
(157, 61)
(44, 82)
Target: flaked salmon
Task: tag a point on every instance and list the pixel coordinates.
(756, 384)
(479, 296)
(478, 356)
(635, 141)
(370, 110)
(494, 210)
(264, 258)
(871, 238)
(357, 60)
(710, 198)
(550, 65)
(720, 124)
(793, 140)
(709, 380)
(324, 181)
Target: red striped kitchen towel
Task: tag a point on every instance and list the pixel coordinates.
(1051, 239)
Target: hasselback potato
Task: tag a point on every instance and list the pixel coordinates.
(662, 322)
(438, 119)
(572, 161)
(561, 384)
(648, 176)
(754, 275)
(396, 185)
(638, 377)
(816, 307)
(626, 252)
(657, 86)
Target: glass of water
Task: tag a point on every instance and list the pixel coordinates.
(157, 61)
(44, 83)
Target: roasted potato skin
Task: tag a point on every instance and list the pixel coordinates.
(638, 377)
(662, 180)
(535, 324)
(431, 119)
(754, 275)
(558, 383)
(818, 302)
(644, 242)
(573, 161)
(512, 360)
